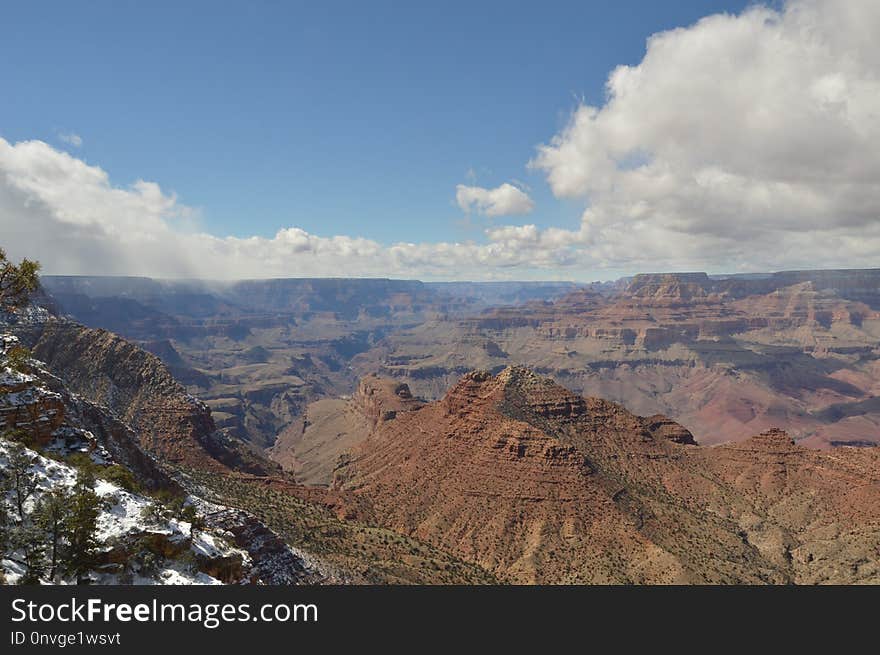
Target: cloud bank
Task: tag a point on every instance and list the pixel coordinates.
(67, 214)
(743, 142)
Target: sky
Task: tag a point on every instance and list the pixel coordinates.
(478, 140)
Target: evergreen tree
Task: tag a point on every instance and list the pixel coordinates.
(191, 516)
(52, 518)
(29, 539)
(154, 513)
(5, 522)
(17, 282)
(22, 479)
(82, 526)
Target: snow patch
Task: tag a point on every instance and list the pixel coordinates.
(123, 515)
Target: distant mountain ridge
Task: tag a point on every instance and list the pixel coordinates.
(728, 356)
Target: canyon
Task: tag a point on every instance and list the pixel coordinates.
(666, 428)
(257, 352)
(726, 357)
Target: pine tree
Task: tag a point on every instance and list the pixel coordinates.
(5, 523)
(17, 282)
(52, 518)
(22, 479)
(82, 527)
(196, 522)
(154, 513)
(29, 539)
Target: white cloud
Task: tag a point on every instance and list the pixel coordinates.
(505, 200)
(70, 138)
(749, 141)
(66, 213)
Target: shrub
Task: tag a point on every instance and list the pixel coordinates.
(83, 463)
(18, 359)
(121, 477)
(154, 513)
(27, 439)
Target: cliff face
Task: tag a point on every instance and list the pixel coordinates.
(537, 484)
(380, 399)
(673, 289)
(312, 446)
(136, 386)
(39, 404)
(26, 404)
(859, 285)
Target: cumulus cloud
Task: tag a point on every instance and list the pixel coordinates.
(748, 141)
(505, 200)
(66, 213)
(71, 139)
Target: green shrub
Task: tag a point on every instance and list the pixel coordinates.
(18, 359)
(27, 439)
(83, 463)
(154, 513)
(167, 497)
(121, 477)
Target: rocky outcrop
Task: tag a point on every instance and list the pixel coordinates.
(313, 444)
(28, 406)
(39, 407)
(382, 399)
(272, 561)
(137, 388)
(671, 289)
(664, 427)
(536, 484)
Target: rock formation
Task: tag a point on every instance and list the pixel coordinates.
(726, 357)
(536, 484)
(312, 446)
(136, 387)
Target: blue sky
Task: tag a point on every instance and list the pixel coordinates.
(339, 118)
(578, 140)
